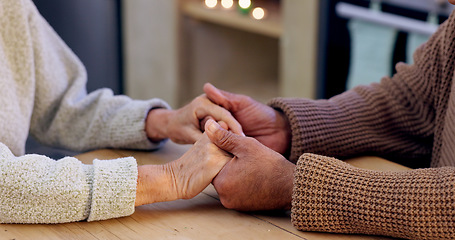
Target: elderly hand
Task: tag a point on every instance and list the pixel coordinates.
(183, 125)
(183, 178)
(257, 178)
(258, 120)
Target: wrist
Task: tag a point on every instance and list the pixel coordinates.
(154, 184)
(287, 184)
(156, 124)
(284, 127)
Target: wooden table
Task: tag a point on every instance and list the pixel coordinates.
(202, 217)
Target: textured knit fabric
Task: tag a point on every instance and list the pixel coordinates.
(36, 189)
(42, 91)
(409, 118)
(334, 196)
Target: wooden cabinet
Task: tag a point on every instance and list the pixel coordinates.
(173, 47)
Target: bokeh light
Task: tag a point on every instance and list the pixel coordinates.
(211, 3)
(258, 13)
(227, 3)
(244, 3)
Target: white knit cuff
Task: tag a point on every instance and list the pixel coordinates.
(114, 188)
(128, 131)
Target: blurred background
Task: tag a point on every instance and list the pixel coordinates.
(263, 48)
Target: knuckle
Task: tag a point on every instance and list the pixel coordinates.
(225, 139)
(198, 99)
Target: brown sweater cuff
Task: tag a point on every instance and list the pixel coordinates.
(333, 196)
(288, 106)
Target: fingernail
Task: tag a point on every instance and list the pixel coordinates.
(212, 125)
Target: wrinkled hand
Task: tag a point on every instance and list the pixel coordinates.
(257, 178)
(183, 178)
(258, 120)
(195, 170)
(183, 125)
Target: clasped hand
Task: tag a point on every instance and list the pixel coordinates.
(258, 177)
(249, 173)
(183, 125)
(183, 178)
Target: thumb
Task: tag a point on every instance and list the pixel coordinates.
(226, 140)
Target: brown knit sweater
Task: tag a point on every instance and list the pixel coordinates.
(409, 118)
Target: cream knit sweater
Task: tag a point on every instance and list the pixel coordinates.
(42, 91)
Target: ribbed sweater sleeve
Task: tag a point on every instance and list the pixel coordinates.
(366, 121)
(333, 196)
(64, 114)
(399, 118)
(37, 189)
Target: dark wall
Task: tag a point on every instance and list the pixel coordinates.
(92, 29)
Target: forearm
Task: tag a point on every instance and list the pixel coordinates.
(333, 196)
(64, 115)
(100, 120)
(369, 122)
(37, 189)
(394, 118)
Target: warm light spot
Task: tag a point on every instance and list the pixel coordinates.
(258, 13)
(227, 3)
(211, 3)
(244, 3)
